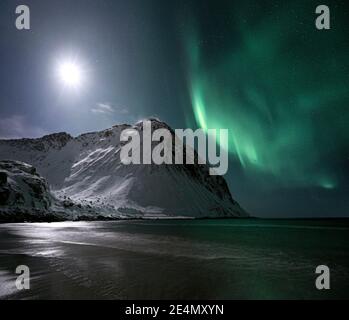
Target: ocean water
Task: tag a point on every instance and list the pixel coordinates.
(176, 259)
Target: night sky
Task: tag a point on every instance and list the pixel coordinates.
(258, 68)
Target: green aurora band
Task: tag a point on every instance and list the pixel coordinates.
(281, 88)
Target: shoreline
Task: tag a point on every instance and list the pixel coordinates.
(54, 219)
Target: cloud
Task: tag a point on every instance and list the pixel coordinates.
(16, 127)
(107, 108)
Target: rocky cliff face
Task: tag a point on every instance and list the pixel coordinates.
(21, 186)
(24, 195)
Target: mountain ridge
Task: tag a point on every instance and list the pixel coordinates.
(87, 170)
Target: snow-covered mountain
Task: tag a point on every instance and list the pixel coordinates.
(86, 171)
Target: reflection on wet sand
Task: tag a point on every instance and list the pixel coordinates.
(227, 259)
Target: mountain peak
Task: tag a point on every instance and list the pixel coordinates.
(155, 124)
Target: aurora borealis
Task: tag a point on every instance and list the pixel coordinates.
(279, 85)
(279, 90)
(258, 68)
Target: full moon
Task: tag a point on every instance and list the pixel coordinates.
(70, 74)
